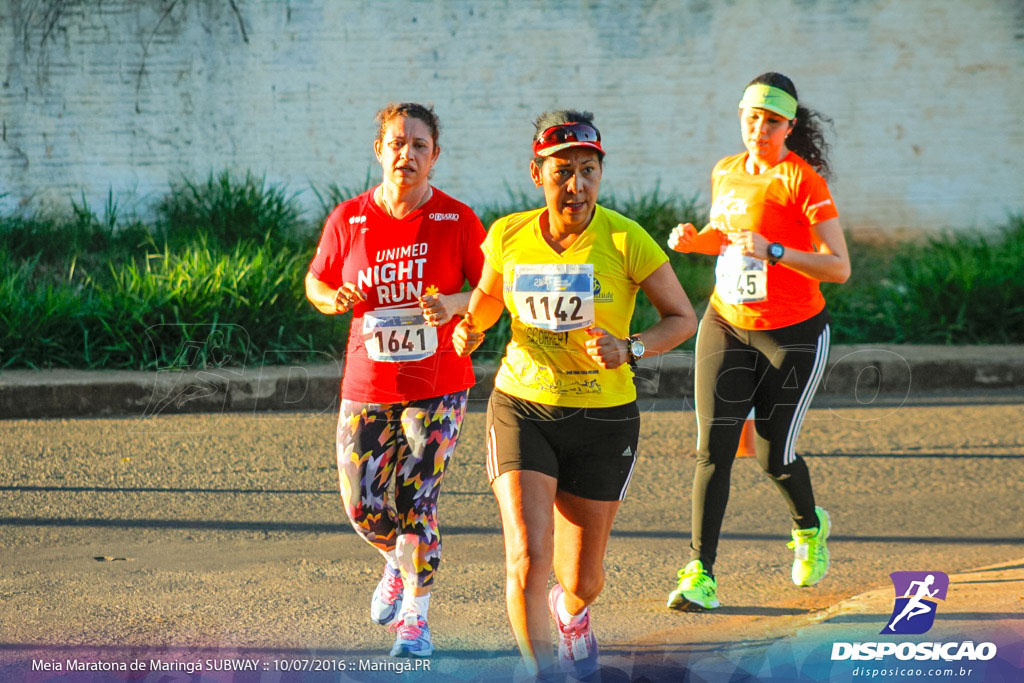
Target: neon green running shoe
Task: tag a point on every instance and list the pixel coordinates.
(811, 554)
(696, 590)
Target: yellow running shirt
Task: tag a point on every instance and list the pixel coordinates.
(551, 366)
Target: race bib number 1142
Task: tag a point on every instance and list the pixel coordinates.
(555, 296)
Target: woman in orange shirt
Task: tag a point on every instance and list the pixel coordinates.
(764, 340)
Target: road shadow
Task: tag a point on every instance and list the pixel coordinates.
(923, 454)
(339, 527)
(170, 489)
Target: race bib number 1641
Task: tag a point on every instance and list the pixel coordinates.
(393, 336)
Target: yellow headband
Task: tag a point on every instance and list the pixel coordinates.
(768, 97)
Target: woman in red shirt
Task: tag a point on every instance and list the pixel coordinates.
(397, 257)
(764, 340)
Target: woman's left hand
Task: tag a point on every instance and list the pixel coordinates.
(435, 309)
(750, 243)
(605, 349)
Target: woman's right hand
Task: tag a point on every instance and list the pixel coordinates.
(347, 296)
(682, 237)
(465, 338)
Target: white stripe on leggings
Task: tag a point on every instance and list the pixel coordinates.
(622, 493)
(492, 456)
(817, 370)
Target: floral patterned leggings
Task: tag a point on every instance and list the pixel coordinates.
(410, 442)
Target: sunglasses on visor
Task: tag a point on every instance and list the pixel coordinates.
(566, 135)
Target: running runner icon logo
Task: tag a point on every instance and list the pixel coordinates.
(917, 596)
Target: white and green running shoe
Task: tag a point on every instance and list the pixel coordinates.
(696, 590)
(810, 560)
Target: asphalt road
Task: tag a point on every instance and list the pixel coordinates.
(221, 537)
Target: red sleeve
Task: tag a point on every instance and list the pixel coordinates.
(331, 252)
(472, 256)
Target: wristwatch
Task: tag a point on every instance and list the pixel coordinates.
(775, 252)
(635, 348)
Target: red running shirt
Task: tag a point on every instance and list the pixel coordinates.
(435, 249)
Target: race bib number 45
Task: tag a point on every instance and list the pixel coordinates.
(555, 296)
(740, 279)
(399, 335)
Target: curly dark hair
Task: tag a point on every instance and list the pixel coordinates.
(411, 110)
(556, 118)
(807, 138)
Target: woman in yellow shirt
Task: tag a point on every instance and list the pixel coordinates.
(562, 421)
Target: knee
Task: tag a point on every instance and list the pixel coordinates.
(528, 566)
(710, 463)
(374, 526)
(717, 451)
(418, 520)
(776, 471)
(774, 465)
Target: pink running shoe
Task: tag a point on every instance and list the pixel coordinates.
(412, 637)
(387, 597)
(577, 646)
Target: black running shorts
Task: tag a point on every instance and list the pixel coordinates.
(590, 451)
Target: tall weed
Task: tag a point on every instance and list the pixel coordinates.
(228, 209)
(53, 237)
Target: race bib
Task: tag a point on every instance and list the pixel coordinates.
(555, 296)
(398, 335)
(740, 279)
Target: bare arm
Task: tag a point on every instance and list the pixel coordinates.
(329, 300)
(678, 322)
(831, 263)
(485, 307)
(440, 308)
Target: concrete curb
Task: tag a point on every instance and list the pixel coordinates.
(856, 372)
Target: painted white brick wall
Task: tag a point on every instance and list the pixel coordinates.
(926, 94)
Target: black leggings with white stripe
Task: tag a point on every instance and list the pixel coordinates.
(773, 372)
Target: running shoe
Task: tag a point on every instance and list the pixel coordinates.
(577, 646)
(413, 637)
(696, 589)
(387, 597)
(811, 554)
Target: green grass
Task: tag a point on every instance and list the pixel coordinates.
(957, 288)
(228, 209)
(216, 280)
